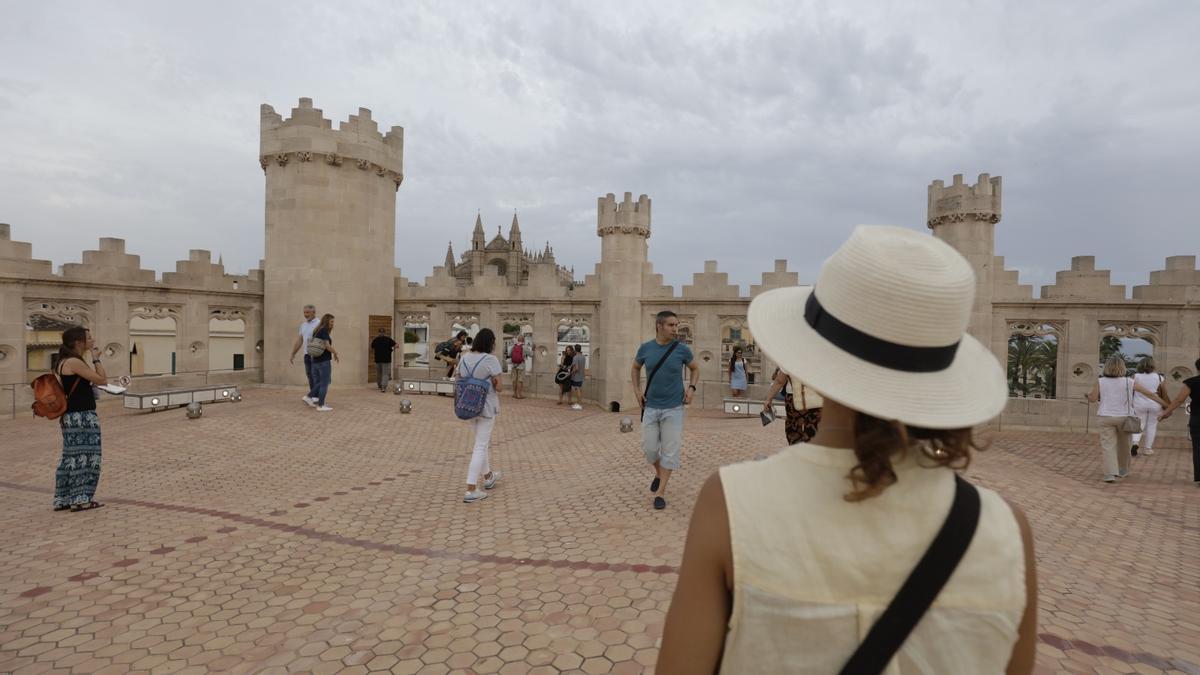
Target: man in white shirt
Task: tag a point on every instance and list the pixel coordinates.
(306, 330)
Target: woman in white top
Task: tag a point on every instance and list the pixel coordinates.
(1145, 408)
(479, 362)
(1115, 394)
(790, 560)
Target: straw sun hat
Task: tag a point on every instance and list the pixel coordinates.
(883, 331)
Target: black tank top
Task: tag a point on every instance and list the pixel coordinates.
(82, 399)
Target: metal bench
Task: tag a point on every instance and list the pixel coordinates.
(169, 398)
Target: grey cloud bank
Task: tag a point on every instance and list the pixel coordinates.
(762, 131)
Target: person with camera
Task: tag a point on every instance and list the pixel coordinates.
(448, 351)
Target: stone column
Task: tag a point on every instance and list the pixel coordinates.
(965, 217)
(624, 229)
(330, 232)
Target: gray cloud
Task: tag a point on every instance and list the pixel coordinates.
(761, 130)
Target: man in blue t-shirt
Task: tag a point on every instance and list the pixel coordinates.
(662, 403)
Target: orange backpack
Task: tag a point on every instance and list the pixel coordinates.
(49, 400)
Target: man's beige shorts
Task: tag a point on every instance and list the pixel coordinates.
(518, 374)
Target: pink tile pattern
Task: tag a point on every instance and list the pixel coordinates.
(265, 538)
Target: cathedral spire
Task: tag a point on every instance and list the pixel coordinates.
(477, 239)
(450, 256)
(514, 232)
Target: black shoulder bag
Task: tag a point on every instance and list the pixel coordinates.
(922, 586)
(653, 372)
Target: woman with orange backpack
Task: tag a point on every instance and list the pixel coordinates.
(78, 472)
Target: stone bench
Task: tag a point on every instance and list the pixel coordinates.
(438, 386)
(748, 407)
(168, 398)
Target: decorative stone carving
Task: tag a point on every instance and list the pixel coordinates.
(398, 179)
(414, 318)
(333, 159)
(197, 347)
(113, 349)
(379, 170)
(7, 352)
(1178, 374)
(363, 164)
(1082, 371)
(1132, 329)
(520, 319)
(156, 311)
(264, 162)
(1034, 328)
(304, 156)
(227, 313)
(464, 318)
(573, 319)
(282, 158)
(64, 312)
(963, 217)
(625, 229)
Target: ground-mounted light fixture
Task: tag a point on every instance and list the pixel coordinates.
(225, 393)
(405, 406)
(154, 401)
(194, 410)
(237, 397)
(626, 424)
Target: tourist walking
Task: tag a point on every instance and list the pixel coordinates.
(322, 363)
(481, 364)
(578, 366)
(306, 330)
(663, 399)
(826, 534)
(737, 373)
(1115, 416)
(563, 377)
(518, 357)
(78, 474)
(802, 420)
(1145, 408)
(1191, 388)
(383, 346)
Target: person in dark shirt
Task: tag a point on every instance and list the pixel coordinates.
(449, 350)
(1191, 388)
(383, 346)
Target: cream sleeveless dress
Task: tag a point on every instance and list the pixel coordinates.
(812, 571)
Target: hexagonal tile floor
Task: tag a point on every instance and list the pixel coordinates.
(265, 537)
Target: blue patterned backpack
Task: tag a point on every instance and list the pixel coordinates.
(470, 392)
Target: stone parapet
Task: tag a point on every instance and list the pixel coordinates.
(307, 136)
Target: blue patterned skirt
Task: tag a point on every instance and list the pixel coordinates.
(78, 471)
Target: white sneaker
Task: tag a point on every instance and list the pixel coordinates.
(474, 496)
(324, 408)
(490, 483)
(576, 406)
(1109, 478)
(1147, 452)
(310, 401)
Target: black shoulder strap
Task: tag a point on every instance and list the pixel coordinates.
(922, 586)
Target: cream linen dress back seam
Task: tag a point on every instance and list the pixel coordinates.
(812, 572)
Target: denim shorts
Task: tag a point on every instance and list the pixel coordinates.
(662, 436)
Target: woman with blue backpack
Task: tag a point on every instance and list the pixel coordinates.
(477, 400)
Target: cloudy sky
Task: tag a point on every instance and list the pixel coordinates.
(760, 130)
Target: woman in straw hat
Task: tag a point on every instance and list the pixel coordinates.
(791, 562)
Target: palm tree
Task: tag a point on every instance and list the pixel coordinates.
(1032, 355)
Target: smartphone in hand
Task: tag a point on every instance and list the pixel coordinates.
(767, 416)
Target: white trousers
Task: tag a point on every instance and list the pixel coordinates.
(1148, 414)
(480, 464)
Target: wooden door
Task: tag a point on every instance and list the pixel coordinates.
(374, 323)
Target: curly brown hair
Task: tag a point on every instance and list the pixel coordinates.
(877, 441)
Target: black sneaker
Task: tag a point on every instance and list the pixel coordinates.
(1133, 450)
(660, 503)
(654, 484)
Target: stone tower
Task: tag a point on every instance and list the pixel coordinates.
(965, 217)
(624, 229)
(330, 232)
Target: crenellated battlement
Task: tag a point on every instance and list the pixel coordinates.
(308, 136)
(625, 217)
(961, 202)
